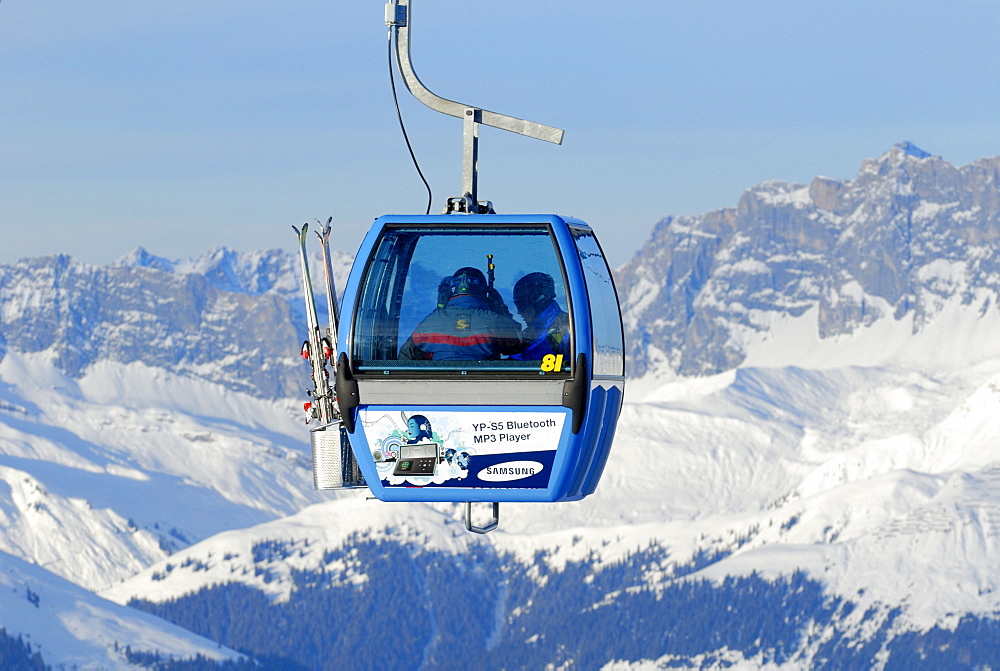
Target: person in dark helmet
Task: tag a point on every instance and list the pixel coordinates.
(472, 282)
(471, 323)
(547, 330)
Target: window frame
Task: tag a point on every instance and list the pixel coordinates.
(391, 287)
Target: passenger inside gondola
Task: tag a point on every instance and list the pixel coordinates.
(547, 329)
(416, 314)
(471, 323)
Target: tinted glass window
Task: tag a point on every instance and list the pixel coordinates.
(609, 348)
(443, 298)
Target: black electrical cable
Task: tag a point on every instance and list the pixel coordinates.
(402, 127)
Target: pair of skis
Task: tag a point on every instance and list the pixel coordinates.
(319, 347)
(334, 465)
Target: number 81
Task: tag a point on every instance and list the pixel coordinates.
(552, 363)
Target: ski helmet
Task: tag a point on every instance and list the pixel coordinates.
(534, 290)
(468, 281)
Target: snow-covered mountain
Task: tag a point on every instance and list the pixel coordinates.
(73, 628)
(144, 406)
(226, 318)
(119, 468)
(909, 235)
(806, 473)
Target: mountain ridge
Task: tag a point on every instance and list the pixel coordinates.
(802, 421)
(906, 233)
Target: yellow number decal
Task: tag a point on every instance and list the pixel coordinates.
(552, 363)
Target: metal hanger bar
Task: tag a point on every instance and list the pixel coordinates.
(490, 526)
(470, 141)
(398, 15)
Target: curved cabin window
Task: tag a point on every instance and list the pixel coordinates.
(463, 299)
(609, 342)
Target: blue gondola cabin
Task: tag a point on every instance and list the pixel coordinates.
(480, 358)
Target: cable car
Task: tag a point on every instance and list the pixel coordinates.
(512, 427)
(479, 357)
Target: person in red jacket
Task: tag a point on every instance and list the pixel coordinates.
(471, 323)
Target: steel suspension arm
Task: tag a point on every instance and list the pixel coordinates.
(397, 15)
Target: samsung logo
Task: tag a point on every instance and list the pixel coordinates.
(510, 470)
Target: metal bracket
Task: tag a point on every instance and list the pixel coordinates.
(399, 17)
(346, 388)
(465, 205)
(493, 524)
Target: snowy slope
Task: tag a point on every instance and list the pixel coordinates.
(117, 469)
(843, 423)
(72, 627)
(864, 451)
(120, 445)
(879, 480)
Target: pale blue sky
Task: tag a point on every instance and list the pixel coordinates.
(184, 125)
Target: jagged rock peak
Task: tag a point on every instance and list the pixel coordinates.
(911, 149)
(909, 234)
(227, 324)
(254, 272)
(141, 258)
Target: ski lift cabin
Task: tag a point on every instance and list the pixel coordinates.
(523, 411)
(522, 427)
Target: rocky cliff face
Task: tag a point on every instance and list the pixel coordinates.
(909, 232)
(176, 316)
